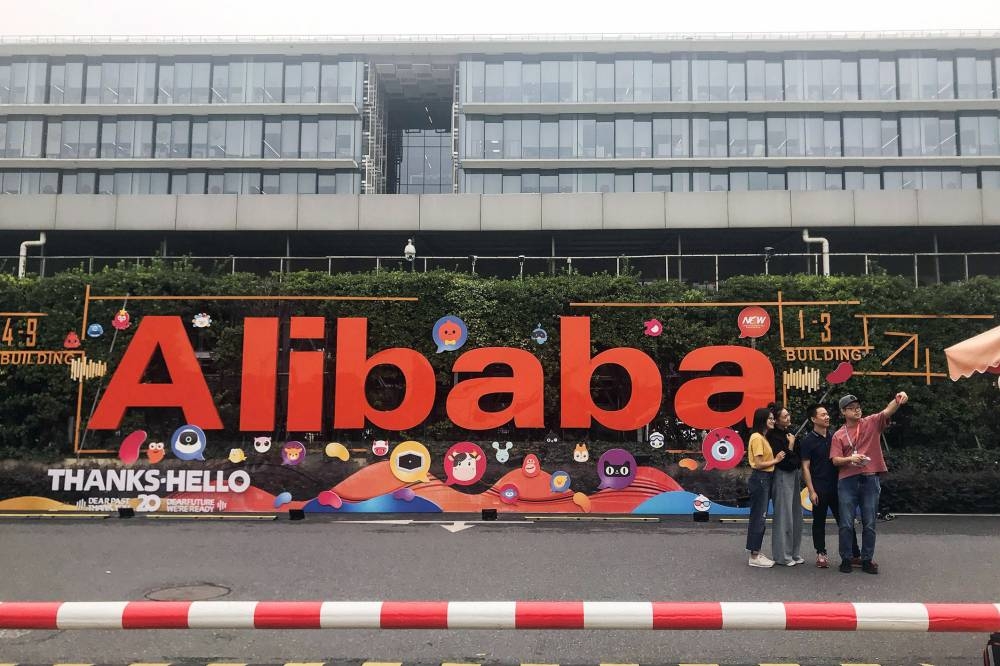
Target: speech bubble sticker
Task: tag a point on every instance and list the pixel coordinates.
(616, 469)
(653, 328)
(841, 373)
(261, 444)
(409, 462)
(293, 453)
(464, 464)
(559, 481)
(539, 335)
(95, 330)
(531, 466)
(753, 322)
(723, 449)
(337, 450)
(128, 452)
(155, 452)
(702, 503)
(121, 320)
(449, 333)
(508, 493)
(188, 442)
(201, 320)
(237, 456)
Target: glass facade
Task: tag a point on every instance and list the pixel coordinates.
(261, 79)
(424, 164)
(707, 180)
(731, 77)
(211, 181)
(626, 136)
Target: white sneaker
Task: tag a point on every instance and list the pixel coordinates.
(762, 561)
(791, 563)
(798, 560)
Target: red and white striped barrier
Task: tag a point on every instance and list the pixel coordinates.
(826, 616)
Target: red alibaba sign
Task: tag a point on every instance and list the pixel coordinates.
(188, 390)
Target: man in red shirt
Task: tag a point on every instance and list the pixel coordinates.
(856, 450)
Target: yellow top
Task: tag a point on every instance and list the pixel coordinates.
(759, 446)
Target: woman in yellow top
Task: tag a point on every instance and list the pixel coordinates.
(762, 460)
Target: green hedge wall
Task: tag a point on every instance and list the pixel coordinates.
(943, 419)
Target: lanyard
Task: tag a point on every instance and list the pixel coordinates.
(857, 434)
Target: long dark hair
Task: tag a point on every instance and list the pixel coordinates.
(760, 417)
(776, 409)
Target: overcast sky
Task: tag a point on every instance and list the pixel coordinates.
(386, 17)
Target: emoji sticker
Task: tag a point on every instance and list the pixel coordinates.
(653, 328)
(121, 321)
(503, 451)
(188, 442)
(380, 447)
(155, 452)
(616, 469)
(753, 322)
(292, 453)
(261, 444)
(656, 439)
(580, 453)
(337, 450)
(237, 456)
(449, 333)
(559, 481)
(409, 462)
(128, 452)
(464, 464)
(95, 331)
(539, 335)
(201, 320)
(551, 438)
(702, 503)
(722, 448)
(508, 493)
(72, 340)
(531, 466)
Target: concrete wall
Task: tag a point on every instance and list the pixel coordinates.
(501, 212)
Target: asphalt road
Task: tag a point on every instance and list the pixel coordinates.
(923, 559)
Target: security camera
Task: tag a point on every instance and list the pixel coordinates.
(473, 258)
(520, 257)
(769, 250)
(410, 251)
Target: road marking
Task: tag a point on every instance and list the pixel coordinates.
(457, 526)
(382, 663)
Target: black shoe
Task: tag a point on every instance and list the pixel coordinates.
(845, 566)
(868, 566)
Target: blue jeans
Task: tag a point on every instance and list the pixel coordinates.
(759, 486)
(856, 491)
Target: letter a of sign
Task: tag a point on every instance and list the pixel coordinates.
(756, 384)
(187, 388)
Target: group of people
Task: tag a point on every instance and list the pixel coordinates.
(841, 472)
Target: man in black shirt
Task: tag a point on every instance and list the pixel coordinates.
(821, 480)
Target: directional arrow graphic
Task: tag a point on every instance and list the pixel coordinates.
(457, 526)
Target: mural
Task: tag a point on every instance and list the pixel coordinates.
(392, 472)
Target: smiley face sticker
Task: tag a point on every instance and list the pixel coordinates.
(723, 449)
(409, 462)
(449, 333)
(464, 464)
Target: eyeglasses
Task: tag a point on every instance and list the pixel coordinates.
(852, 408)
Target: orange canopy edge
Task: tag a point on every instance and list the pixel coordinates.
(977, 354)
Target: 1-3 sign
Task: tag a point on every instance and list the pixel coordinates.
(30, 332)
